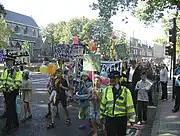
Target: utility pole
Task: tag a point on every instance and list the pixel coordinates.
(174, 55)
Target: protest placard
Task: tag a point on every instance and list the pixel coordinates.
(108, 66)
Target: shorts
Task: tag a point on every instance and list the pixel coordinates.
(94, 114)
(83, 113)
(63, 101)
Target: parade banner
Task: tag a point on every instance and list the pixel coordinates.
(69, 51)
(108, 66)
(91, 62)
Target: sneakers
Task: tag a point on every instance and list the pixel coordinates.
(143, 122)
(139, 123)
(47, 115)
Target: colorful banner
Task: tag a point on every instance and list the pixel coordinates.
(91, 62)
(108, 66)
(69, 51)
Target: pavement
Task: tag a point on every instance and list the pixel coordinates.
(37, 126)
(166, 123)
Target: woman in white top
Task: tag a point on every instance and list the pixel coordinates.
(26, 95)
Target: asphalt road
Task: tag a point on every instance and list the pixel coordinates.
(37, 126)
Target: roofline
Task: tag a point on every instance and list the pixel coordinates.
(22, 24)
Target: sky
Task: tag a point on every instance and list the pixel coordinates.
(53, 11)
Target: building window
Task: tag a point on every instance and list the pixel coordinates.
(16, 29)
(34, 33)
(25, 30)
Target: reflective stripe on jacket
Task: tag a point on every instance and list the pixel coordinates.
(10, 81)
(122, 106)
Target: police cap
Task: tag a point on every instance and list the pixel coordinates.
(114, 74)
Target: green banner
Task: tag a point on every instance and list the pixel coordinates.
(91, 62)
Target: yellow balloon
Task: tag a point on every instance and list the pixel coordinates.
(43, 69)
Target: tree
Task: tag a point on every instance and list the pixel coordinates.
(168, 25)
(5, 33)
(161, 40)
(109, 8)
(5, 30)
(48, 32)
(100, 32)
(76, 25)
(2, 10)
(62, 33)
(121, 46)
(150, 11)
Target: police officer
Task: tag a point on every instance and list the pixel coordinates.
(10, 82)
(116, 107)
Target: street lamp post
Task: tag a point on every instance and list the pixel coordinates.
(174, 50)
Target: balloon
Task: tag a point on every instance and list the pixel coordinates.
(51, 69)
(69, 66)
(43, 69)
(105, 81)
(92, 46)
(104, 74)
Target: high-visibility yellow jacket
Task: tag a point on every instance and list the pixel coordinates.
(122, 106)
(10, 81)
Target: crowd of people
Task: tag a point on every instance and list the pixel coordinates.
(107, 108)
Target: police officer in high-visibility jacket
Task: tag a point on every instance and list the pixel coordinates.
(116, 107)
(10, 82)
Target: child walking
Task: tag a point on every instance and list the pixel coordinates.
(142, 86)
(26, 95)
(95, 105)
(50, 89)
(58, 95)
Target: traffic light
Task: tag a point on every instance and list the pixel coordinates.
(172, 36)
(168, 50)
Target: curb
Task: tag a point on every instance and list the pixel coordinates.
(156, 122)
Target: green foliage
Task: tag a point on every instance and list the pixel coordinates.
(5, 33)
(150, 11)
(98, 30)
(168, 25)
(109, 8)
(2, 10)
(161, 40)
(48, 32)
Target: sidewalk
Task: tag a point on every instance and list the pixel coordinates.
(166, 123)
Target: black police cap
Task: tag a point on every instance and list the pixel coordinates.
(114, 74)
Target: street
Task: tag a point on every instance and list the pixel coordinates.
(37, 126)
